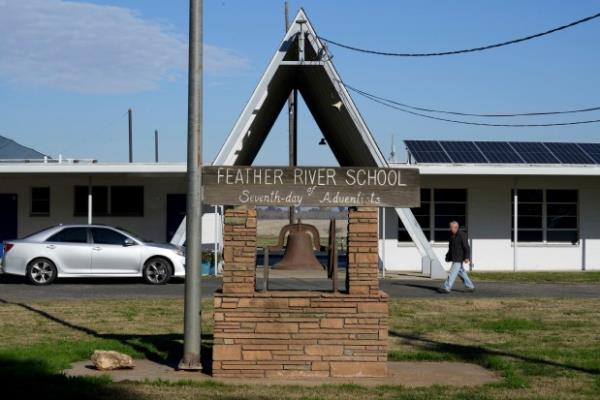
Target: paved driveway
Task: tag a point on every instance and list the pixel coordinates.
(14, 288)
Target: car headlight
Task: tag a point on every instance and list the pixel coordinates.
(180, 252)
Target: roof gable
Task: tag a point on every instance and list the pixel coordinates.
(302, 62)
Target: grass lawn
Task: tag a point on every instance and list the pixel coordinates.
(544, 349)
(539, 277)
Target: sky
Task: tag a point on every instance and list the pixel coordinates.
(69, 70)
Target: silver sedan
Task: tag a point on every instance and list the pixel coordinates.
(90, 251)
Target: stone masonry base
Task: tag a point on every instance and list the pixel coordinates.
(300, 334)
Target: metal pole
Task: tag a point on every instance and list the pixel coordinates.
(293, 121)
(130, 114)
(156, 145)
(334, 256)
(266, 269)
(383, 241)
(192, 305)
(516, 227)
(216, 244)
(90, 201)
(583, 254)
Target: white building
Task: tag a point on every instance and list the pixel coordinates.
(558, 217)
(150, 199)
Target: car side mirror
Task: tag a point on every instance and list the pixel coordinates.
(128, 242)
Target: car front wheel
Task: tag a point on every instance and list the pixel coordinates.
(157, 271)
(41, 271)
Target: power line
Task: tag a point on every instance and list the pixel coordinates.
(466, 114)
(463, 51)
(395, 107)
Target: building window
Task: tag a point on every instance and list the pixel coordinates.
(449, 205)
(127, 201)
(438, 208)
(99, 203)
(423, 216)
(546, 215)
(40, 201)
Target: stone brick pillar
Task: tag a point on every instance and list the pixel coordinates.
(239, 251)
(299, 334)
(363, 258)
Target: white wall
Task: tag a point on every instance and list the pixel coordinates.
(488, 219)
(489, 226)
(151, 226)
(589, 222)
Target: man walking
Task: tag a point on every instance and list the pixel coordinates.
(458, 254)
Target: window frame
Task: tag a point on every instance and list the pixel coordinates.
(432, 216)
(544, 215)
(108, 198)
(102, 213)
(111, 198)
(33, 213)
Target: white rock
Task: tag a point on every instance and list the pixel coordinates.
(106, 360)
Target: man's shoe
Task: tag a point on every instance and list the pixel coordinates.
(443, 290)
(469, 290)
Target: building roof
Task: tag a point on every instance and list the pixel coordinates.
(67, 167)
(179, 169)
(11, 150)
(507, 170)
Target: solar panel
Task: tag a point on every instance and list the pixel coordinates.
(427, 151)
(592, 150)
(463, 152)
(569, 153)
(534, 153)
(499, 152)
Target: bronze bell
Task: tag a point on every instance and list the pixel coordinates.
(302, 240)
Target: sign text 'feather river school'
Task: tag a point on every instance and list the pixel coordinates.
(311, 186)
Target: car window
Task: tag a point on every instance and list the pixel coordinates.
(107, 236)
(70, 235)
(134, 235)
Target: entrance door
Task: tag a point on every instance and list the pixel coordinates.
(8, 216)
(176, 208)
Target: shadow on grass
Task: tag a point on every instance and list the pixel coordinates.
(479, 354)
(28, 379)
(164, 349)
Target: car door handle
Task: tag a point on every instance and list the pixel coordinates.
(97, 248)
(51, 246)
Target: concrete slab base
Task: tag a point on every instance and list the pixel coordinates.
(406, 373)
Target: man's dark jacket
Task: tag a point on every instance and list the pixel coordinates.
(458, 248)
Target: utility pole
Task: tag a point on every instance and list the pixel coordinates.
(130, 114)
(192, 306)
(156, 145)
(293, 121)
